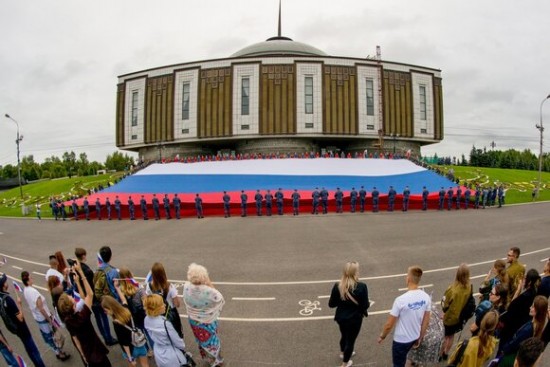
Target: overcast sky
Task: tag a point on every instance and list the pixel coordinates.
(59, 60)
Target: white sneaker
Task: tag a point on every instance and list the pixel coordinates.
(350, 362)
(342, 355)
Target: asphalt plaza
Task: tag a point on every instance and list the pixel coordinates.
(276, 272)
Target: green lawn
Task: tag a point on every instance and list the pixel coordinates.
(40, 191)
(519, 183)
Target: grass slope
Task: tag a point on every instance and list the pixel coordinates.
(40, 192)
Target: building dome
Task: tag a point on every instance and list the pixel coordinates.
(279, 46)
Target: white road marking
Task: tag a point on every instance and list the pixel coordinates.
(37, 273)
(253, 299)
(545, 260)
(16, 267)
(35, 286)
(420, 286)
(316, 281)
(320, 297)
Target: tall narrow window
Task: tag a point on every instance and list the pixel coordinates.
(423, 102)
(185, 102)
(308, 95)
(245, 96)
(135, 108)
(370, 97)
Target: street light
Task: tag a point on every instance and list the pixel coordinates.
(17, 141)
(541, 129)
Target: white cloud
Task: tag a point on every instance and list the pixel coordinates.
(59, 60)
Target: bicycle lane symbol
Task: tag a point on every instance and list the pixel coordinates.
(309, 307)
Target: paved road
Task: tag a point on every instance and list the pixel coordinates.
(276, 273)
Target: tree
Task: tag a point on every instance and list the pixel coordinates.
(118, 161)
(30, 170)
(9, 171)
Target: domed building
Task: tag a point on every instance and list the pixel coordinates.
(280, 96)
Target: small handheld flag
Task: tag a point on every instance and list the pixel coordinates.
(133, 282)
(77, 297)
(149, 277)
(20, 361)
(17, 287)
(100, 261)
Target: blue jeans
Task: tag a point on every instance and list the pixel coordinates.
(48, 336)
(32, 350)
(399, 353)
(8, 356)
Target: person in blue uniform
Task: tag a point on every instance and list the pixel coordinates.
(484, 197)
(500, 195)
(177, 205)
(226, 204)
(85, 204)
(477, 194)
(131, 208)
(244, 201)
(268, 202)
(258, 199)
(166, 204)
(362, 199)
(450, 198)
(198, 206)
(108, 206)
(324, 200)
(467, 194)
(353, 199)
(62, 210)
(338, 198)
(143, 204)
(494, 196)
(74, 207)
(279, 196)
(156, 206)
(375, 197)
(406, 195)
(391, 198)
(441, 198)
(295, 202)
(315, 201)
(425, 194)
(55, 208)
(98, 209)
(118, 208)
(458, 197)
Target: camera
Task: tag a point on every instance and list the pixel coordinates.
(71, 262)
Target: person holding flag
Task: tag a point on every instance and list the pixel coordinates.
(40, 313)
(15, 322)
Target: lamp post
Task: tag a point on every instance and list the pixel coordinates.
(17, 141)
(541, 129)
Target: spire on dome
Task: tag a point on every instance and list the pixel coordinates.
(279, 32)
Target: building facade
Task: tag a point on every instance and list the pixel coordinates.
(279, 96)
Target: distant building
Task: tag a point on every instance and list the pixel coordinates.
(279, 96)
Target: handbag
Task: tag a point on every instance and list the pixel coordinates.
(190, 361)
(365, 312)
(137, 336)
(58, 338)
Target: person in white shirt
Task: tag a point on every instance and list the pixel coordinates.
(41, 314)
(410, 314)
(53, 270)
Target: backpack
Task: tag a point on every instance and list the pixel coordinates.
(457, 360)
(11, 324)
(103, 283)
(137, 336)
(468, 309)
(135, 305)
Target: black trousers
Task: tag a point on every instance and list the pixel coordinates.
(349, 332)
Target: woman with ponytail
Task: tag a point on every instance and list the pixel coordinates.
(481, 347)
(351, 299)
